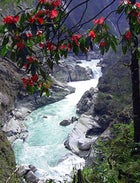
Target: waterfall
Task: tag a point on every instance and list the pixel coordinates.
(44, 147)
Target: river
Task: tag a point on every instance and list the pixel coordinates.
(44, 147)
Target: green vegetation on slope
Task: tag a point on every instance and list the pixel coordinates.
(115, 163)
(7, 162)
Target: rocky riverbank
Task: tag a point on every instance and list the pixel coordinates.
(12, 120)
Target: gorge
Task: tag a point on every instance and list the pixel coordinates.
(44, 146)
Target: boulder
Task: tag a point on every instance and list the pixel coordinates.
(65, 122)
(94, 131)
(87, 101)
(84, 146)
(31, 177)
(76, 140)
(22, 170)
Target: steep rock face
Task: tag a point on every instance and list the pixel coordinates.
(71, 71)
(113, 103)
(9, 84)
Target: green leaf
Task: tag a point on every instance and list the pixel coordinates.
(47, 93)
(102, 51)
(2, 28)
(22, 19)
(3, 51)
(43, 74)
(120, 9)
(82, 44)
(76, 49)
(113, 46)
(124, 49)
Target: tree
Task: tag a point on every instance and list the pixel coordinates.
(37, 36)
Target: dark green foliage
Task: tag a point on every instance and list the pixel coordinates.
(115, 164)
(7, 161)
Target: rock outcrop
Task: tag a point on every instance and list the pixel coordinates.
(87, 101)
(77, 140)
(71, 71)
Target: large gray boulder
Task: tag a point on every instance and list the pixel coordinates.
(77, 141)
(87, 101)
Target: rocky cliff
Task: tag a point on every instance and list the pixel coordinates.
(113, 103)
(10, 82)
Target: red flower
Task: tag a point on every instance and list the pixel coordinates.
(127, 35)
(75, 38)
(10, 19)
(25, 66)
(125, 2)
(40, 20)
(63, 46)
(53, 14)
(56, 3)
(25, 81)
(34, 78)
(29, 34)
(32, 19)
(137, 4)
(30, 59)
(92, 34)
(99, 21)
(50, 46)
(30, 82)
(102, 44)
(40, 13)
(39, 32)
(20, 45)
(41, 45)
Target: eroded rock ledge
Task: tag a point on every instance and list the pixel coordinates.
(78, 141)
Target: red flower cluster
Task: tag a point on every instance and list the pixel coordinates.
(124, 2)
(53, 14)
(20, 45)
(99, 21)
(137, 4)
(92, 34)
(10, 19)
(54, 3)
(42, 45)
(29, 34)
(75, 38)
(50, 46)
(34, 19)
(30, 59)
(40, 16)
(30, 81)
(64, 46)
(102, 44)
(128, 35)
